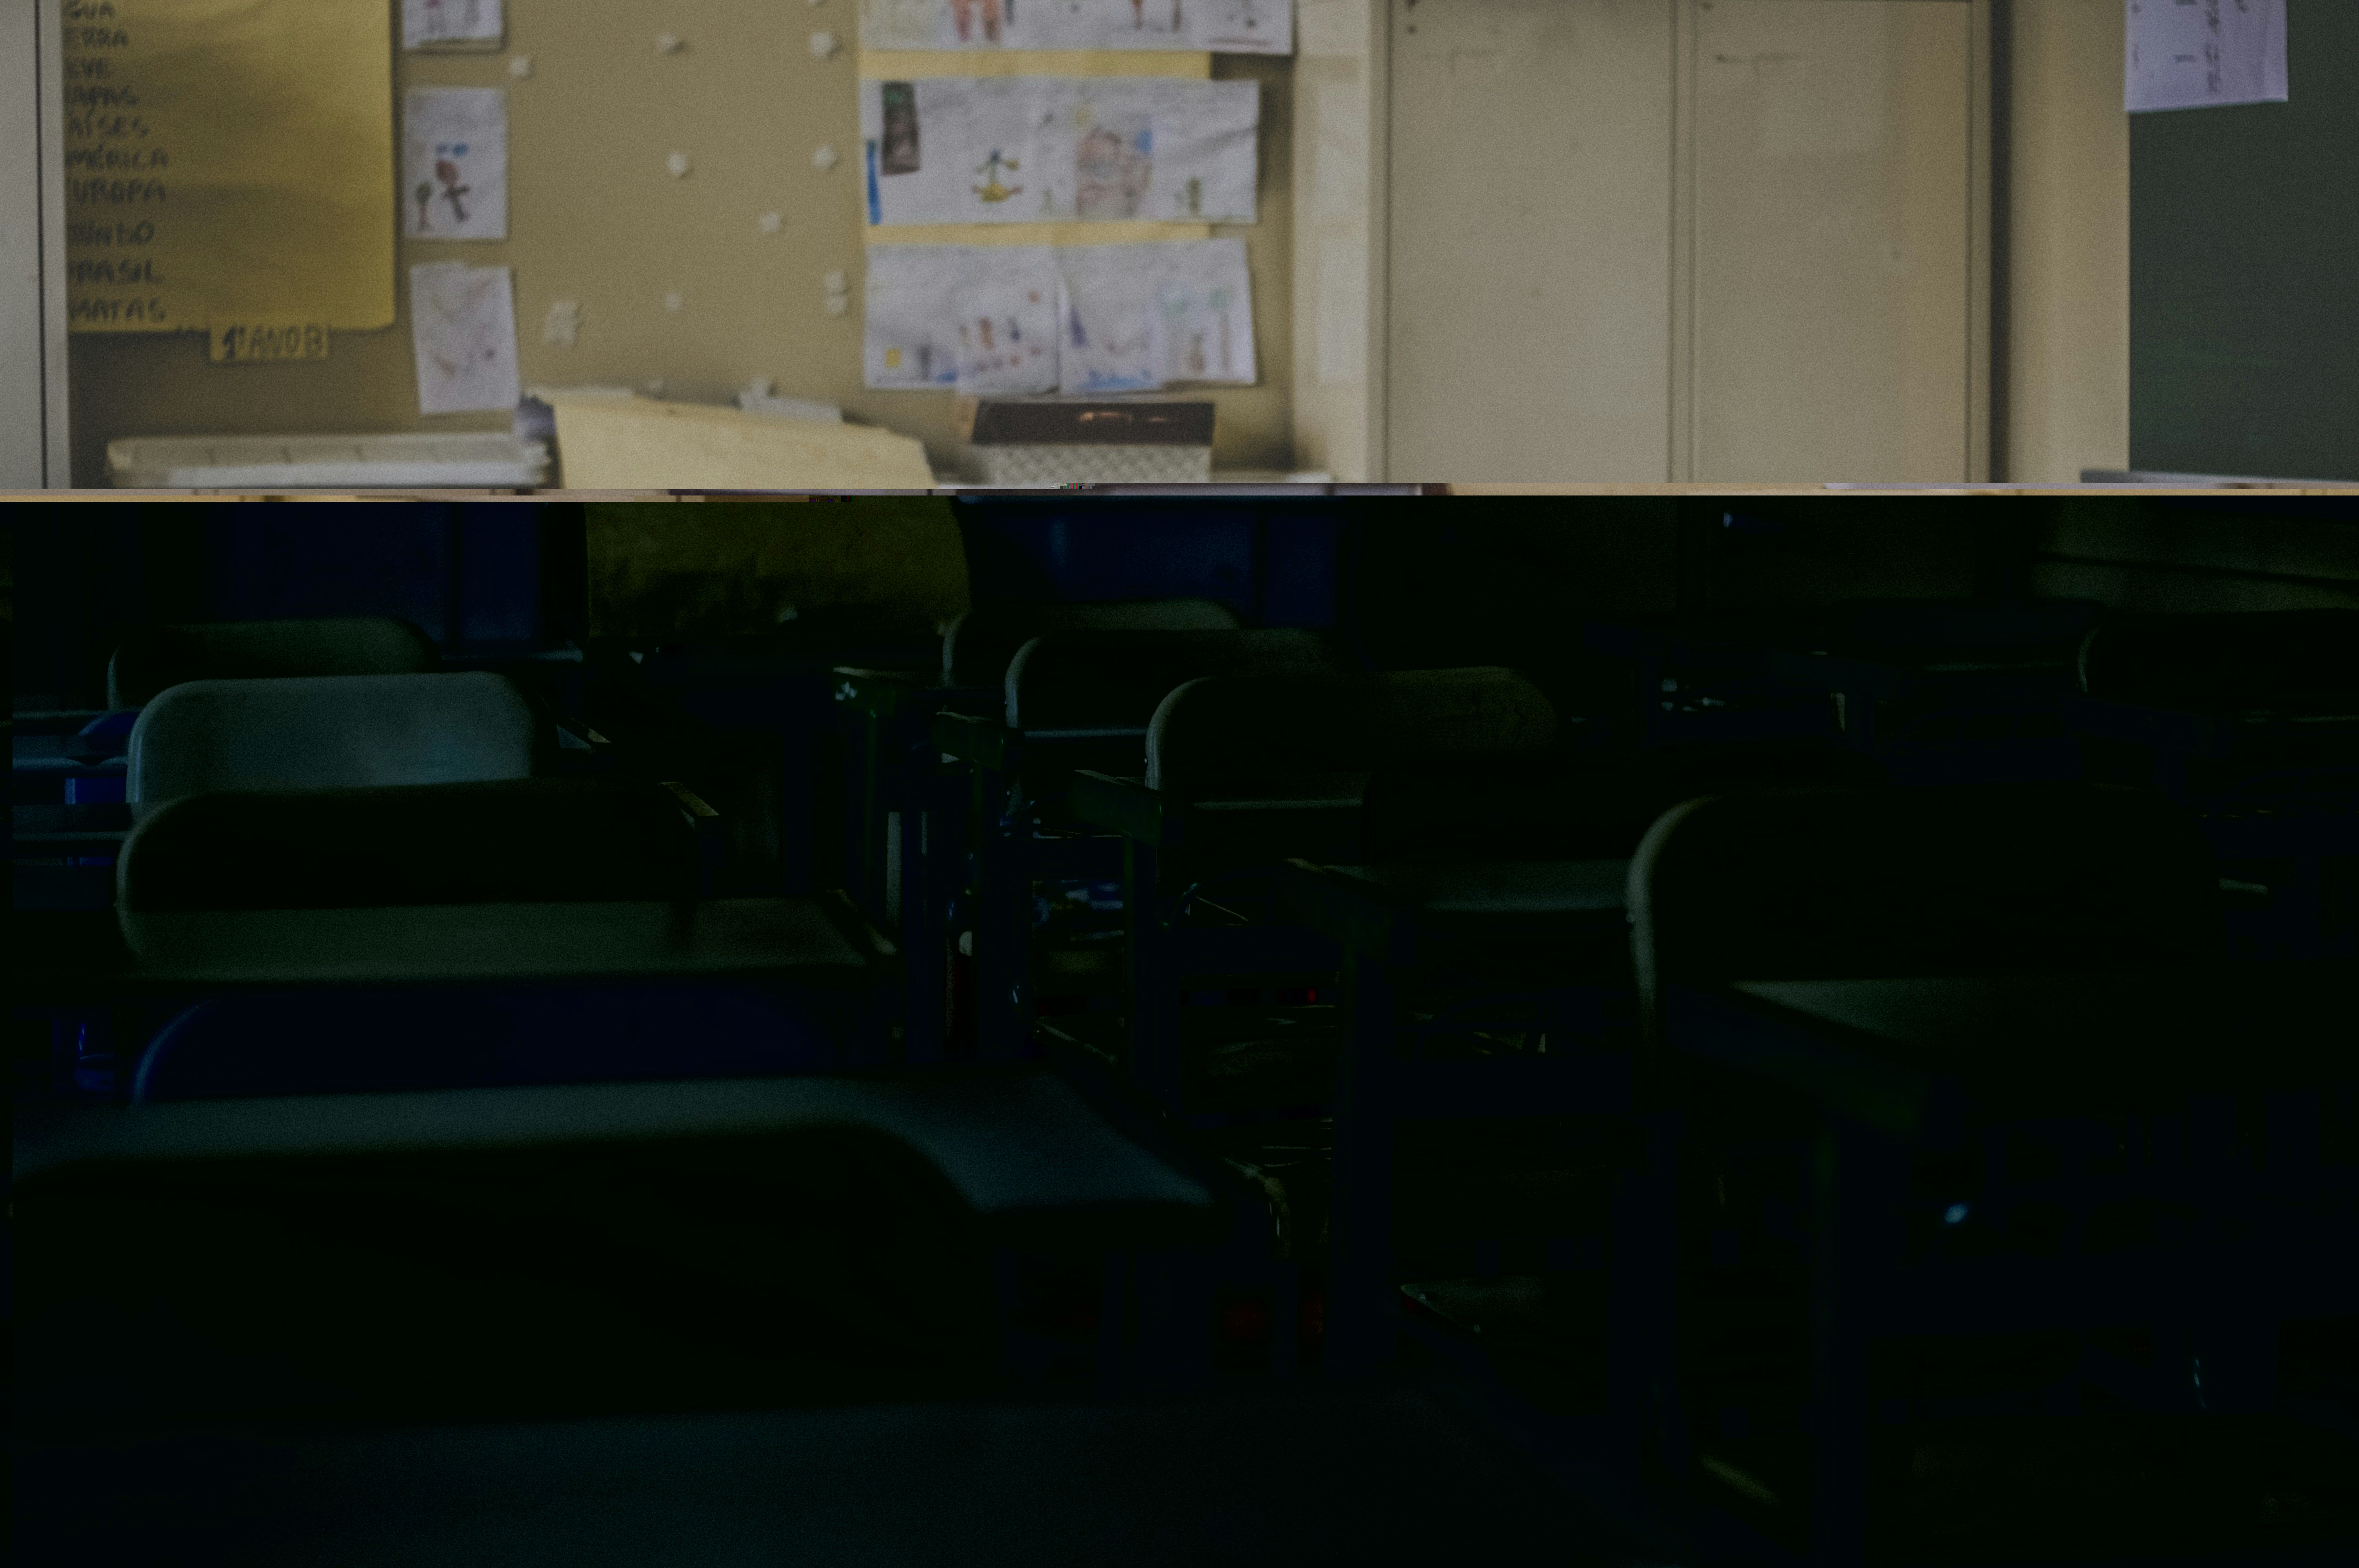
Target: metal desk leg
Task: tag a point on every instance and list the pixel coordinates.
(1155, 1056)
(1361, 1309)
(1113, 1302)
(1854, 1171)
(1643, 1410)
(1002, 922)
(1175, 1316)
(931, 856)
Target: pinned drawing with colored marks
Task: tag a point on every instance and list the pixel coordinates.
(441, 24)
(1121, 149)
(991, 189)
(455, 155)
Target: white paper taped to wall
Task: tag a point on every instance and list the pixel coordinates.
(917, 336)
(1078, 319)
(1135, 317)
(1027, 148)
(454, 164)
(463, 326)
(449, 24)
(1220, 27)
(2192, 54)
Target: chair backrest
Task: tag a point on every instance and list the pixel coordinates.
(1564, 805)
(522, 840)
(156, 657)
(330, 732)
(980, 642)
(1952, 881)
(1228, 731)
(2282, 661)
(1089, 678)
(421, 1038)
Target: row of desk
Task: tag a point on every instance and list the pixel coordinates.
(1300, 985)
(1474, 1054)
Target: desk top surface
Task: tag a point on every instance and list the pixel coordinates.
(1515, 888)
(1009, 1142)
(2256, 1021)
(489, 941)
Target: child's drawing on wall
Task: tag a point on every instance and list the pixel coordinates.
(1007, 339)
(899, 152)
(446, 169)
(963, 13)
(455, 163)
(991, 189)
(1113, 166)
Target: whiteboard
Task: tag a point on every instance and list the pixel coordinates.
(229, 167)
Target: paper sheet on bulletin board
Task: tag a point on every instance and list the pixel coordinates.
(229, 167)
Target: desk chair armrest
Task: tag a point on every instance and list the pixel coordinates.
(972, 738)
(1119, 806)
(711, 834)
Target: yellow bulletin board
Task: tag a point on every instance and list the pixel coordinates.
(229, 170)
(679, 283)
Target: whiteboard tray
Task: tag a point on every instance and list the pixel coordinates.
(484, 461)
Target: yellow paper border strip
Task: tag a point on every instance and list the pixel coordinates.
(1132, 231)
(914, 65)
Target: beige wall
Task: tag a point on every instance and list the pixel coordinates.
(2069, 274)
(596, 220)
(1339, 93)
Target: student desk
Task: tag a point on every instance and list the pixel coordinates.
(891, 712)
(2210, 1096)
(1710, 687)
(1178, 853)
(2279, 795)
(1036, 1170)
(752, 730)
(735, 936)
(113, 992)
(1430, 954)
(1010, 777)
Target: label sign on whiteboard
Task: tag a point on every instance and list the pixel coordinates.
(2193, 54)
(264, 342)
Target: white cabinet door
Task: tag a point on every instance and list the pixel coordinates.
(1530, 240)
(1649, 240)
(1833, 191)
